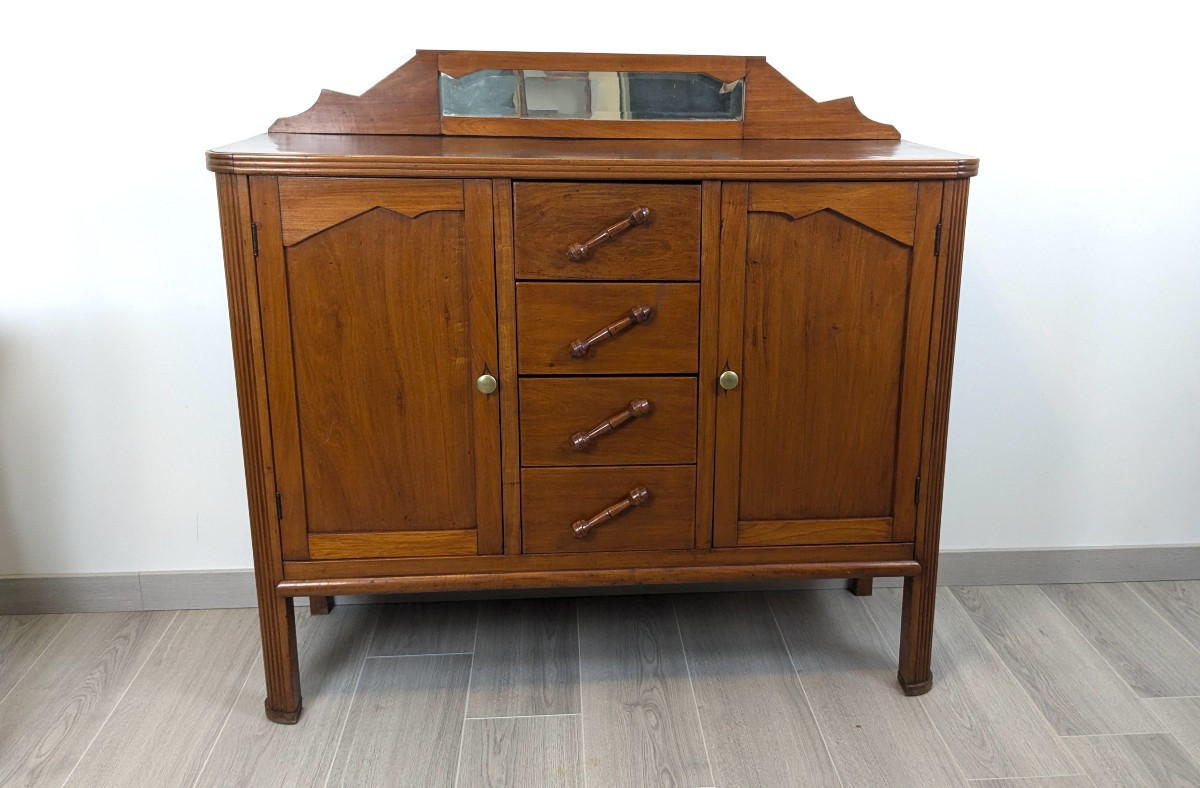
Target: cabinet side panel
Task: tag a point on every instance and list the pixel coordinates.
(281, 378)
(710, 281)
(276, 620)
(734, 198)
(916, 359)
(485, 409)
(919, 597)
(506, 322)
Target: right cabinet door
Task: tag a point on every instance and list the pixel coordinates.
(825, 304)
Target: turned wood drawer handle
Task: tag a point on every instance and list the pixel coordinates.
(639, 314)
(637, 407)
(580, 252)
(636, 497)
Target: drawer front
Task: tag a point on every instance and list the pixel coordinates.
(551, 317)
(608, 421)
(553, 499)
(551, 218)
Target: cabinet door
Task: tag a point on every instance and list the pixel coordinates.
(825, 298)
(378, 300)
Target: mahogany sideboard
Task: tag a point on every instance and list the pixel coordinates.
(533, 320)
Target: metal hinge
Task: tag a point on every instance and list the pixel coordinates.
(254, 237)
(937, 242)
(279, 506)
(917, 491)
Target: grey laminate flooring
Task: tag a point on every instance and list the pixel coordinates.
(1034, 687)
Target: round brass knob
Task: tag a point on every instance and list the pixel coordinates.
(728, 380)
(486, 384)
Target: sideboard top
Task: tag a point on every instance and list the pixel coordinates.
(592, 159)
(560, 115)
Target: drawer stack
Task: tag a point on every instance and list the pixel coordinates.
(608, 306)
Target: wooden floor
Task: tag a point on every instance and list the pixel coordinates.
(1034, 687)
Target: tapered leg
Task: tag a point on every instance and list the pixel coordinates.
(280, 661)
(862, 586)
(320, 605)
(916, 634)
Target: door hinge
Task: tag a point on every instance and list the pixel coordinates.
(254, 237)
(937, 242)
(278, 506)
(917, 491)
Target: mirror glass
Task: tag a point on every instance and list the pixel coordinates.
(595, 95)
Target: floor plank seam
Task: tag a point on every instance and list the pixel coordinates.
(527, 716)
(1112, 735)
(38, 658)
(1108, 663)
(337, 749)
(407, 656)
(1166, 621)
(803, 691)
(692, 684)
(579, 656)
(232, 705)
(170, 625)
(462, 731)
(1033, 777)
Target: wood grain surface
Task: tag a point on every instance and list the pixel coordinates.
(1075, 689)
(555, 409)
(526, 659)
(1155, 661)
(521, 751)
(553, 499)
(406, 722)
(22, 640)
(58, 708)
(1149, 760)
(1178, 602)
(425, 628)
(201, 664)
(639, 710)
(847, 672)
(253, 750)
(982, 712)
(550, 316)
(550, 217)
(757, 723)
(581, 159)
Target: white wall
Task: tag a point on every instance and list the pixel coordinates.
(1075, 418)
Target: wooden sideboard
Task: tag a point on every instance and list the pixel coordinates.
(535, 351)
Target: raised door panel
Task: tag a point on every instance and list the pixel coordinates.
(830, 286)
(383, 302)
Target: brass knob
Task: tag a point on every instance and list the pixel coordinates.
(728, 380)
(486, 384)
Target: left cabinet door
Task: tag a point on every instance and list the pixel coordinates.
(379, 316)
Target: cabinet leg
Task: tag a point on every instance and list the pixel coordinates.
(281, 664)
(862, 586)
(320, 605)
(916, 634)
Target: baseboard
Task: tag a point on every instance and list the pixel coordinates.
(25, 594)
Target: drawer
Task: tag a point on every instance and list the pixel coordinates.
(553, 499)
(553, 316)
(630, 420)
(549, 219)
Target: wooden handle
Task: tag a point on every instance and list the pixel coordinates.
(637, 407)
(636, 497)
(579, 252)
(639, 314)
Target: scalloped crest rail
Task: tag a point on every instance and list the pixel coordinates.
(406, 102)
(396, 278)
